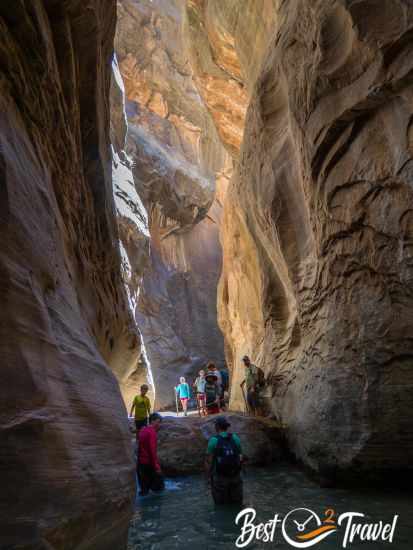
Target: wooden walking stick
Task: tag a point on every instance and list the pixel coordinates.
(247, 409)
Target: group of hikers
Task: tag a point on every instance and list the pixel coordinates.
(209, 388)
(224, 457)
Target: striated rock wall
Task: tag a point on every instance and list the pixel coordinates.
(178, 164)
(67, 474)
(318, 233)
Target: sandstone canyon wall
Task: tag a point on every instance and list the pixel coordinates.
(134, 239)
(180, 172)
(67, 474)
(317, 282)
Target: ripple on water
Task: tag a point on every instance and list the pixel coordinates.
(185, 515)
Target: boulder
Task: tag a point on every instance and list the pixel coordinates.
(182, 441)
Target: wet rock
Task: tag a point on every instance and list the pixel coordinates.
(182, 442)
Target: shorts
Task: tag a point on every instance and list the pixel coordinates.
(183, 399)
(139, 424)
(252, 399)
(201, 397)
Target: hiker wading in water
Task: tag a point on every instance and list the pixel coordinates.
(142, 407)
(148, 469)
(183, 393)
(223, 465)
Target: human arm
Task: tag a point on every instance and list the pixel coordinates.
(132, 408)
(208, 468)
(153, 451)
(237, 442)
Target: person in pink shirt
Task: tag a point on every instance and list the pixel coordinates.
(148, 469)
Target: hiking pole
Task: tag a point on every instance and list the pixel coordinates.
(198, 405)
(176, 402)
(245, 399)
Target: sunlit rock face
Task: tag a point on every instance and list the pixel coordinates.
(181, 172)
(134, 239)
(317, 233)
(226, 44)
(67, 476)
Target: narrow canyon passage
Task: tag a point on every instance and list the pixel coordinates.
(194, 181)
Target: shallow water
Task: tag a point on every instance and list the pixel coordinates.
(184, 515)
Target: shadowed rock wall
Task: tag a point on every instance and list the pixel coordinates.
(67, 475)
(318, 233)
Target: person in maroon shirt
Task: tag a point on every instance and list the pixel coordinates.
(148, 470)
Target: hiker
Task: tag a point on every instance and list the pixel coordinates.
(142, 407)
(148, 468)
(211, 367)
(223, 465)
(211, 393)
(199, 386)
(183, 393)
(253, 382)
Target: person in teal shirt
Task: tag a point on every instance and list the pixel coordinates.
(223, 465)
(184, 393)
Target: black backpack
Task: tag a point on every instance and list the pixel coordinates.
(227, 456)
(210, 393)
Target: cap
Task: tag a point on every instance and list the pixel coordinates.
(222, 422)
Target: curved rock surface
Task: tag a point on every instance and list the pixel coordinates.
(318, 234)
(182, 442)
(180, 172)
(67, 476)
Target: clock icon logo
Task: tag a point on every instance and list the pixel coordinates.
(302, 528)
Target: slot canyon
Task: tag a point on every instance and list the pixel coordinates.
(185, 181)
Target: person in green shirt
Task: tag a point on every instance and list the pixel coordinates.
(253, 385)
(223, 465)
(142, 407)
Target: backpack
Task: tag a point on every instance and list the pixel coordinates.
(225, 379)
(260, 377)
(227, 456)
(211, 393)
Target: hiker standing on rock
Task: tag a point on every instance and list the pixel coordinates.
(223, 465)
(212, 398)
(253, 381)
(183, 393)
(199, 386)
(149, 470)
(142, 407)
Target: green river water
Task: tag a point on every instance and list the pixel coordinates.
(184, 515)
